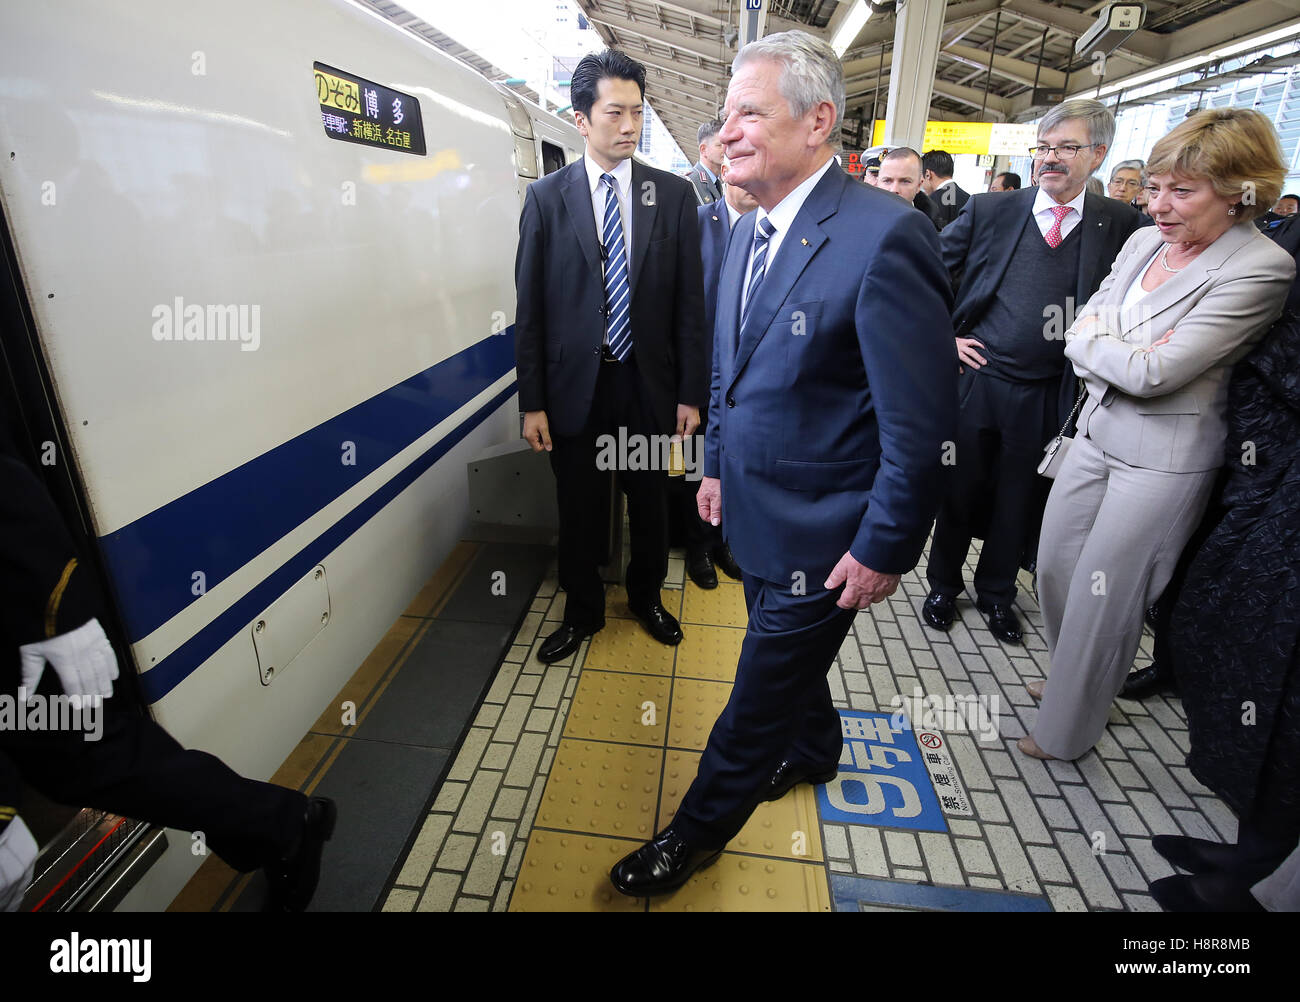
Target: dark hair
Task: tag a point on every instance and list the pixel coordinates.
(938, 162)
(1295, 197)
(597, 66)
(1010, 180)
(707, 131)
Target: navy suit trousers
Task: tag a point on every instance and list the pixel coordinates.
(780, 708)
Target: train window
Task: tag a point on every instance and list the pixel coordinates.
(552, 157)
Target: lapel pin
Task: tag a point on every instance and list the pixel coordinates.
(804, 241)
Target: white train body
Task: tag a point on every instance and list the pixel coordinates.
(272, 350)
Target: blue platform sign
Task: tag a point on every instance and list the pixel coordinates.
(753, 4)
(883, 780)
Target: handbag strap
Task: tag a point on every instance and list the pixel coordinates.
(1083, 392)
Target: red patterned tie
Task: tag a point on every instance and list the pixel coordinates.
(1054, 234)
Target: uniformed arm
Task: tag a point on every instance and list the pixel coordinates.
(1231, 313)
(904, 327)
(530, 306)
(688, 309)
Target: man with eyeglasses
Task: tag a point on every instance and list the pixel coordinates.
(1023, 262)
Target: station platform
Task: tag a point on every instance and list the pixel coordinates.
(477, 778)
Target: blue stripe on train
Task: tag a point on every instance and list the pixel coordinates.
(178, 665)
(221, 526)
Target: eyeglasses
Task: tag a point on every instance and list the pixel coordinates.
(1063, 152)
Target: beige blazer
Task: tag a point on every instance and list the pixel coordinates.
(1165, 409)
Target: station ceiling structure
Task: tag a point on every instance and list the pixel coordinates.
(995, 55)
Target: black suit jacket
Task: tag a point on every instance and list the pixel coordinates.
(979, 243)
(948, 202)
(715, 231)
(560, 297)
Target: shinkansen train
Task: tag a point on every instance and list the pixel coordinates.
(257, 319)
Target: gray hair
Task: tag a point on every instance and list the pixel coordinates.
(1094, 185)
(707, 130)
(810, 71)
(1101, 123)
(1136, 165)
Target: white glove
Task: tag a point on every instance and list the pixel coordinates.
(83, 659)
(17, 862)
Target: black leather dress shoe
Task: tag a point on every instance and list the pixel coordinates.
(663, 864)
(1205, 892)
(789, 774)
(700, 567)
(1003, 623)
(1147, 682)
(726, 562)
(292, 880)
(560, 644)
(660, 623)
(1200, 855)
(939, 611)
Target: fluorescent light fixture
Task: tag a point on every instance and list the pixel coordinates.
(852, 22)
(1191, 62)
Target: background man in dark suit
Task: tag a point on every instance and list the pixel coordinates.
(608, 313)
(705, 545)
(1025, 262)
(50, 613)
(706, 175)
(1006, 181)
(948, 196)
(900, 172)
(833, 392)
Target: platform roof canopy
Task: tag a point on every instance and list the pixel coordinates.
(687, 47)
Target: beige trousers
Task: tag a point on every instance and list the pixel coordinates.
(1112, 534)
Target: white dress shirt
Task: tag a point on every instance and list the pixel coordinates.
(782, 216)
(732, 215)
(622, 175)
(1043, 204)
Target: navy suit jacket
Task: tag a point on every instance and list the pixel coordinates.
(715, 231)
(829, 415)
(560, 297)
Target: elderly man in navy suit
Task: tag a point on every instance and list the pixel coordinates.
(834, 391)
(705, 546)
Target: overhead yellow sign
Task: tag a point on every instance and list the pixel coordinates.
(997, 138)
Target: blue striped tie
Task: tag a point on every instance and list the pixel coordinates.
(758, 269)
(618, 299)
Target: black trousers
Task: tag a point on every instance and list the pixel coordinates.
(697, 535)
(780, 708)
(997, 492)
(582, 491)
(137, 769)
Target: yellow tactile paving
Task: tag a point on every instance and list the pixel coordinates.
(709, 652)
(738, 883)
(609, 706)
(570, 873)
(604, 789)
(787, 827)
(720, 606)
(696, 706)
(619, 774)
(624, 645)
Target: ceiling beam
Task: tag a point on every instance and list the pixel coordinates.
(1013, 69)
(671, 39)
(1228, 26)
(1146, 44)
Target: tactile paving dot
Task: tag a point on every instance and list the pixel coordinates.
(737, 883)
(696, 706)
(616, 602)
(608, 706)
(787, 828)
(720, 606)
(624, 645)
(603, 788)
(709, 652)
(570, 873)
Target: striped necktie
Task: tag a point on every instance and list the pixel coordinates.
(618, 299)
(762, 234)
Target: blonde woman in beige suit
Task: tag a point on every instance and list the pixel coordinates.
(1155, 346)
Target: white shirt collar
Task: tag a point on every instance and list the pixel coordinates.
(1043, 202)
(782, 215)
(622, 175)
(733, 216)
